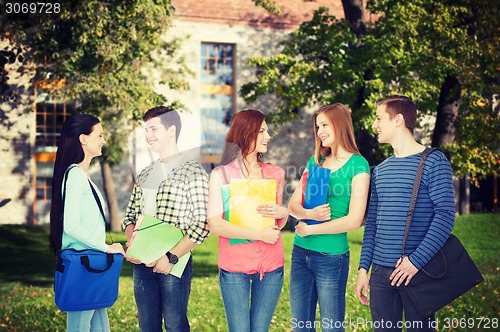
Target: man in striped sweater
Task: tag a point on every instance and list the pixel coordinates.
(391, 189)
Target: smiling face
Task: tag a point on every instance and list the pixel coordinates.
(157, 136)
(92, 143)
(384, 125)
(262, 138)
(324, 130)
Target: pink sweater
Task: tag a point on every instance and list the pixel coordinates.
(251, 257)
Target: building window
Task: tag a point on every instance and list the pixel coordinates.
(217, 96)
(49, 119)
(50, 115)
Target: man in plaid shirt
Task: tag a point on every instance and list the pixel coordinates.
(174, 189)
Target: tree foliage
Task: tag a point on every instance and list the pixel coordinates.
(101, 50)
(411, 48)
(269, 5)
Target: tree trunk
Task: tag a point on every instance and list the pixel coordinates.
(465, 194)
(354, 13)
(445, 132)
(115, 217)
(447, 112)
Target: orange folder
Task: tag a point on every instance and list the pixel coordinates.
(244, 197)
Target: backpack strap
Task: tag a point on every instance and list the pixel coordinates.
(99, 204)
(226, 181)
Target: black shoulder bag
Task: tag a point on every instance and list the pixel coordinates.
(448, 275)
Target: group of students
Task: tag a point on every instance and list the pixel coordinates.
(176, 189)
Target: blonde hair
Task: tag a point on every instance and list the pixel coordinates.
(340, 119)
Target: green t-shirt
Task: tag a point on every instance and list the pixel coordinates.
(339, 196)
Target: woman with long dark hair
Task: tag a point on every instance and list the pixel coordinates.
(250, 273)
(82, 139)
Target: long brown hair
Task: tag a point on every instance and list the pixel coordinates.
(242, 135)
(340, 119)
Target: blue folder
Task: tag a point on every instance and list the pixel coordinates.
(316, 190)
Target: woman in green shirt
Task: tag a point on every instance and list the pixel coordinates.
(320, 256)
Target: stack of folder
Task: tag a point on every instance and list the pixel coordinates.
(241, 199)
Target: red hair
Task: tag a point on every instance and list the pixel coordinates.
(242, 135)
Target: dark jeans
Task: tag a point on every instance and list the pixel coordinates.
(317, 277)
(387, 304)
(158, 295)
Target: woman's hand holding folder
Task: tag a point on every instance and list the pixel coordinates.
(272, 210)
(319, 213)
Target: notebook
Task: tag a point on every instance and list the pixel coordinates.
(152, 238)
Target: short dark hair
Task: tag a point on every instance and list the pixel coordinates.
(168, 116)
(403, 105)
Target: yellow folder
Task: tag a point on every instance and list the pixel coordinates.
(152, 238)
(245, 196)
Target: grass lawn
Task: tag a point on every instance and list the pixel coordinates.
(27, 267)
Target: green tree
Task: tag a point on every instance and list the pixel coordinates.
(443, 54)
(269, 5)
(101, 49)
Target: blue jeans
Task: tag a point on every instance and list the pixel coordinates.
(88, 320)
(248, 301)
(317, 277)
(387, 304)
(158, 295)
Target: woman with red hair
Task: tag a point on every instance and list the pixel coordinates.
(251, 271)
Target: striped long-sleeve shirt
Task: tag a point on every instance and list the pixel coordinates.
(392, 184)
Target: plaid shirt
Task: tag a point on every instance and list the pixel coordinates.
(181, 199)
